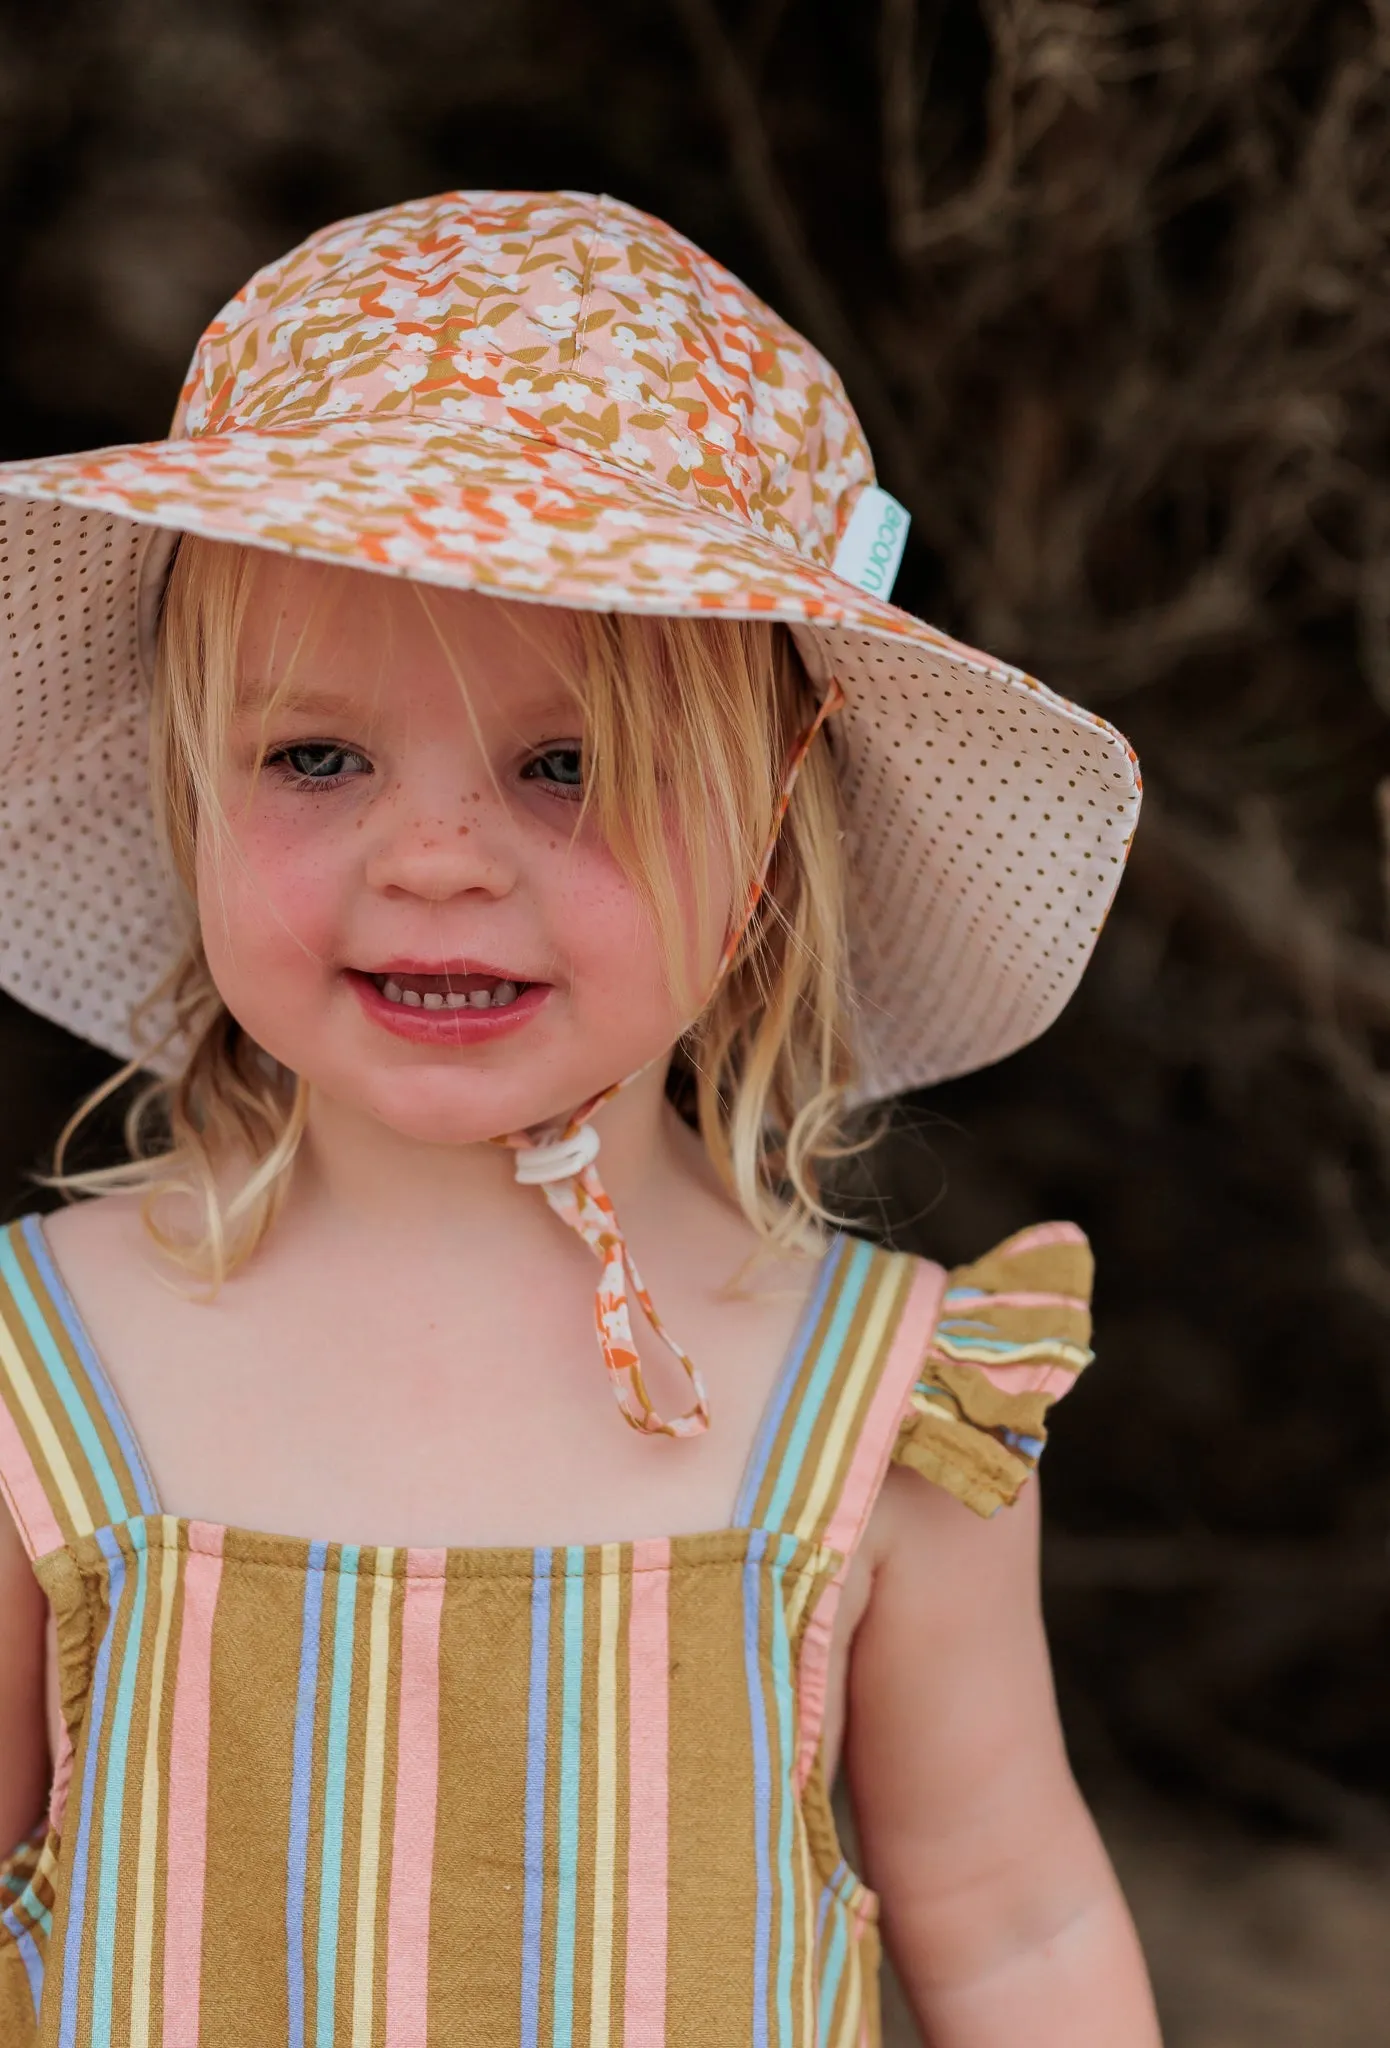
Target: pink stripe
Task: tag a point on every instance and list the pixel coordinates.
(1040, 1238)
(62, 1776)
(1018, 1299)
(644, 2013)
(187, 1827)
(417, 1793)
(24, 1490)
(867, 1466)
(911, 1341)
(1029, 1376)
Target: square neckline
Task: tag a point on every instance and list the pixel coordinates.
(463, 1558)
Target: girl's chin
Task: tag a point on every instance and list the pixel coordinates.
(435, 1116)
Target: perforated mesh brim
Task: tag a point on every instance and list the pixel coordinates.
(987, 818)
(989, 822)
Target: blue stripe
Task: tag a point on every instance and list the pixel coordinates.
(827, 1360)
(786, 1383)
(762, 1783)
(538, 1714)
(334, 1797)
(301, 1783)
(146, 1497)
(29, 1955)
(567, 1875)
(82, 1848)
(113, 1804)
(966, 1339)
(1031, 1446)
(826, 1896)
(784, 1694)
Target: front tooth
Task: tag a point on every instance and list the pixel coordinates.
(433, 999)
(412, 996)
(479, 998)
(456, 999)
(505, 992)
(392, 991)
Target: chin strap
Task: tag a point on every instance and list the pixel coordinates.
(563, 1168)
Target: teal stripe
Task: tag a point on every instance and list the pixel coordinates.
(78, 1413)
(109, 1893)
(855, 1272)
(334, 1797)
(571, 1728)
(832, 1971)
(28, 1904)
(784, 1696)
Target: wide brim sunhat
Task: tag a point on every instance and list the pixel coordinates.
(551, 398)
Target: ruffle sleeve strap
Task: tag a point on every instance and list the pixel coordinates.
(1012, 1335)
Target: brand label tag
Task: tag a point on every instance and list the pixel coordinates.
(872, 547)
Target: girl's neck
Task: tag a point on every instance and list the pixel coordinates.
(353, 1170)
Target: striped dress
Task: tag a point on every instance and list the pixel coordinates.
(317, 1795)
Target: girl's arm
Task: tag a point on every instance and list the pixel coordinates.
(23, 1740)
(1000, 1908)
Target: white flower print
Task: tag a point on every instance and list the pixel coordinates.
(402, 374)
(628, 448)
(471, 408)
(627, 385)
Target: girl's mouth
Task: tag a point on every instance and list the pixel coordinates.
(446, 1008)
(450, 991)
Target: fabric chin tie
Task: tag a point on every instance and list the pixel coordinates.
(563, 1168)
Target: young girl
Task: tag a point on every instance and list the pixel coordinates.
(373, 1686)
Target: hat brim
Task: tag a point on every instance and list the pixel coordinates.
(987, 818)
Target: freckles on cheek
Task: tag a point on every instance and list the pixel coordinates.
(266, 898)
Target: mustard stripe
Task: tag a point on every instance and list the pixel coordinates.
(56, 1458)
(605, 1801)
(373, 1783)
(867, 1356)
(142, 1962)
(806, 1585)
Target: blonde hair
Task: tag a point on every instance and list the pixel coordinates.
(688, 726)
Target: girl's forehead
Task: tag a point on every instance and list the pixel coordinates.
(310, 630)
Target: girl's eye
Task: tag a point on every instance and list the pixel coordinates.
(319, 764)
(561, 768)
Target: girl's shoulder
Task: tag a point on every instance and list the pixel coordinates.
(1012, 1335)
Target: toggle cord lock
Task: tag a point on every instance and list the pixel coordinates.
(559, 1160)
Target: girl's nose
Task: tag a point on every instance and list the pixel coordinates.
(441, 851)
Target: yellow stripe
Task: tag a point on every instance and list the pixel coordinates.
(605, 1800)
(851, 1389)
(373, 1781)
(848, 2034)
(807, 1583)
(49, 1442)
(142, 1962)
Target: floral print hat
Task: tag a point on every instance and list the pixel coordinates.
(549, 397)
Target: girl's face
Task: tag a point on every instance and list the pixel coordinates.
(407, 909)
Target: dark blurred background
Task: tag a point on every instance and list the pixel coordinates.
(1108, 285)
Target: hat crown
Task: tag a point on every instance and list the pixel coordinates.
(574, 321)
